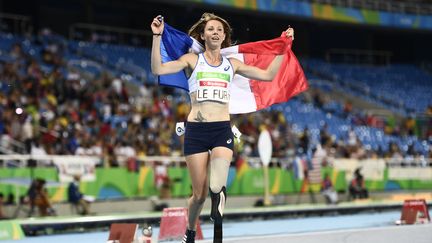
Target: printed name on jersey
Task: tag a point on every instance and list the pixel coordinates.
(213, 94)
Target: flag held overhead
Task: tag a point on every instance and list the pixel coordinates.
(246, 95)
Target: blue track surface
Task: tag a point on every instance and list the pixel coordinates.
(253, 228)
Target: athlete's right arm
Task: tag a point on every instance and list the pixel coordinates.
(159, 68)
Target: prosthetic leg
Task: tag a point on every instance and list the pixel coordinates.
(216, 214)
(218, 177)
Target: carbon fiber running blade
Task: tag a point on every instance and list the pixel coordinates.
(217, 234)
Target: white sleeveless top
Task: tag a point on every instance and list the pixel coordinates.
(212, 83)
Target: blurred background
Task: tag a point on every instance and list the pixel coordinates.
(80, 107)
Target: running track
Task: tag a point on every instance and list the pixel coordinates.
(364, 227)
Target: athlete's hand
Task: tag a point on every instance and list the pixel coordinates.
(157, 25)
(289, 32)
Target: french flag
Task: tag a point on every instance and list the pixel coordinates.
(246, 95)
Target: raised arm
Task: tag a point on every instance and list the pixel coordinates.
(159, 68)
(258, 73)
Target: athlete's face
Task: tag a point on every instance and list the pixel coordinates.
(214, 33)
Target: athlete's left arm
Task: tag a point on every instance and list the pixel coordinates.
(257, 73)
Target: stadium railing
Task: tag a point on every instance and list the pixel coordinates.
(108, 34)
(17, 24)
(20, 160)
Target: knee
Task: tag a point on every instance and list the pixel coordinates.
(217, 188)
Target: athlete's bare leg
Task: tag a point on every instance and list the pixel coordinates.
(198, 168)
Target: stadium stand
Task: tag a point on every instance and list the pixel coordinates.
(55, 98)
(390, 86)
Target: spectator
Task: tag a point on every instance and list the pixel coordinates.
(348, 108)
(38, 150)
(162, 180)
(27, 133)
(125, 152)
(2, 215)
(318, 99)
(38, 197)
(429, 110)
(304, 140)
(319, 158)
(325, 137)
(30, 197)
(84, 149)
(5, 140)
(351, 138)
(76, 198)
(357, 187)
(16, 51)
(10, 200)
(410, 125)
(328, 190)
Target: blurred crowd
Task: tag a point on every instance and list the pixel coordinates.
(411, 125)
(62, 111)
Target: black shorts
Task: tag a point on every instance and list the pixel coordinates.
(204, 136)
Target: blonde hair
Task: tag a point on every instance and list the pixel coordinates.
(198, 28)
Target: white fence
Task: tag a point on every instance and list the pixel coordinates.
(20, 160)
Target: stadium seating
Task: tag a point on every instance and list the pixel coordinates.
(401, 88)
(303, 115)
